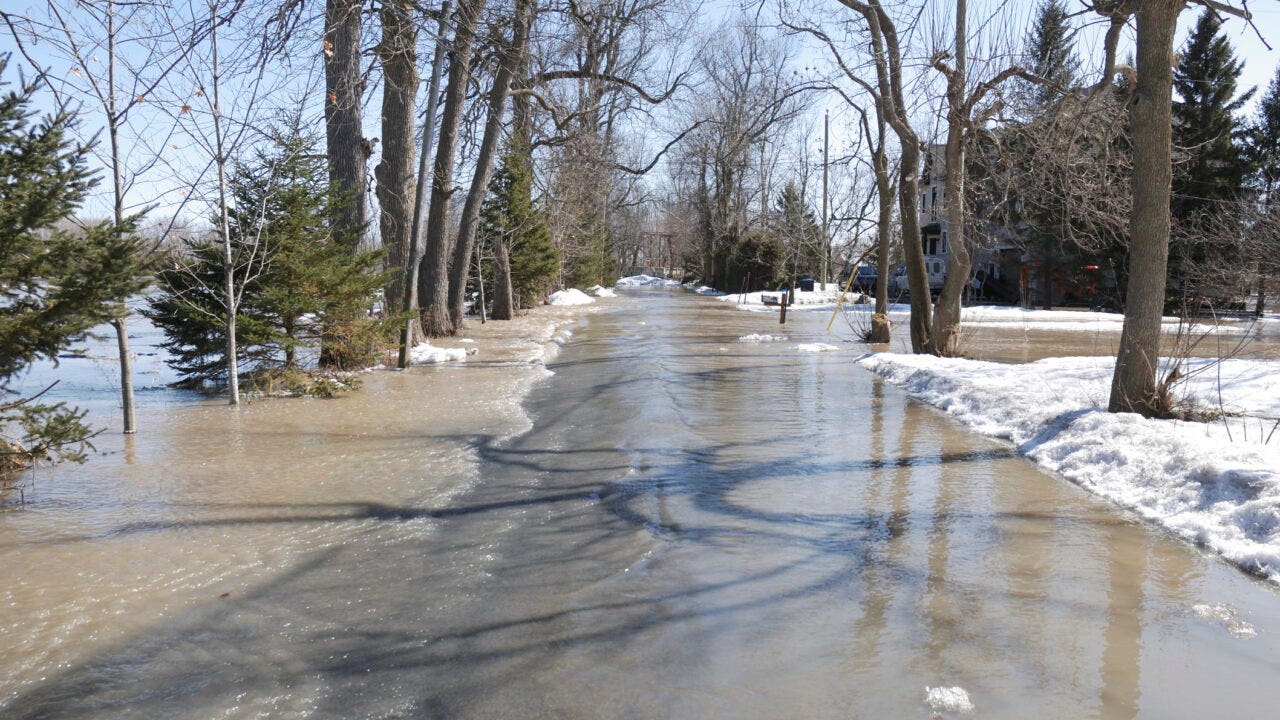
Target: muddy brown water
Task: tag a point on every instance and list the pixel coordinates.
(675, 524)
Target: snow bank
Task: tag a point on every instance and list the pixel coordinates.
(1084, 320)
(572, 296)
(819, 299)
(1217, 484)
(601, 291)
(646, 281)
(705, 290)
(428, 354)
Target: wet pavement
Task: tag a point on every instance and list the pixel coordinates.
(679, 524)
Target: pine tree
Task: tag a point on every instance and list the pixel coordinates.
(796, 226)
(55, 283)
(1264, 144)
(1209, 134)
(303, 284)
(1050, 52)
(509, 216)
(1264, 158)
(1205, 125)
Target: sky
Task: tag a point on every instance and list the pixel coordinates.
(181, 151)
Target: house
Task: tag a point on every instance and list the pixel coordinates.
(997, 257)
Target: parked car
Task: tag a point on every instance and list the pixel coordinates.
(935, 266)
(864, 279)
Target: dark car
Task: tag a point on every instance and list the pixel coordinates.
(864, 279)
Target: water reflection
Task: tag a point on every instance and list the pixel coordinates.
(683, 531)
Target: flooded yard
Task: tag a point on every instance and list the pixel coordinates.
(676, 523)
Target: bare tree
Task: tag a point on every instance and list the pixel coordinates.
(887, 58)
(344, 88)
(966, 116)
(433, 279)
(396, 188)
(1134, 385)
(512, 57)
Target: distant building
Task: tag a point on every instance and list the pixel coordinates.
(997, 256)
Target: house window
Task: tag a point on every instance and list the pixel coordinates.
(935, 196)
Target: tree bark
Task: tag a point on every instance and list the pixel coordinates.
(945, 340)
(224, 214)
(504, 306)
(394, 173)
(886, 53)
(120, 323)
(1133, 387)
(411, 334)
(433, 274)
(344, 139)
(465, 243)
(880, 328)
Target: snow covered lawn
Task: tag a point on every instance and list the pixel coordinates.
(1215, 483)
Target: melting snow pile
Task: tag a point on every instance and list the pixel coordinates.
(953, 699)
(601, 291)
(758, 338)
(705, 290)
(1067, 320)
(1213, 483)
(428, 354)
(646, 281)
(816, 347)
(572, 296)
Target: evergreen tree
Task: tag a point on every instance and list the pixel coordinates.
(796, 226)
(303, 285)
(1264, 158)
(509, 216)
(1211, 176)
(1205, 125)
(1264, 144)
(55, 283)
(1051, 53)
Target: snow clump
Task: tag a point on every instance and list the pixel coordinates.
(428, 354)
(758, 338)
(572, 296)
(954, 699)
(601, 291)
(815, 347)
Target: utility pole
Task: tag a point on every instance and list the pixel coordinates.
(826, 162)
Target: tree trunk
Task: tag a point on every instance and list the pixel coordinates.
(912, 251)
(399, 57)
(412, 331)
(344, 139)
(945, 340)
(224, 213)
(1133, 387)
(117, 182)
(504, 306)
(433, 277)
(880, 328)
(465, 244)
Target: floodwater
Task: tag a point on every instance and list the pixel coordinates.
(674, 524)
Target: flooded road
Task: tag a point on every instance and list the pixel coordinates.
(678, 524)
